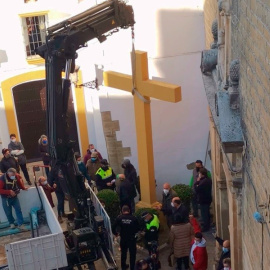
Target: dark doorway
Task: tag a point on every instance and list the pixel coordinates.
(30, 106)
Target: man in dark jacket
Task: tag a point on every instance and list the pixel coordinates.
(126, 193)
(127, 226)
(226, 252)
(44, 152)
(177, 208)
(105, 176)
(203, 188)
(194, 177)
(8, 162)
(17, 150)
(131, 174)
(167, 195)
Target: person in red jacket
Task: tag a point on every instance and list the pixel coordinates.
(198, 253)
(10, 185)
(47, 189)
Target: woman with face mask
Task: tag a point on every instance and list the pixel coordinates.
(181, 235)
(44, 152)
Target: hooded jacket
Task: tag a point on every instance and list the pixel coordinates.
(198, 255)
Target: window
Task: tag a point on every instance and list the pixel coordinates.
(28, 1)
(34, 34)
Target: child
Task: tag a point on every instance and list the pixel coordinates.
(47, 189)
(227, 264)
(198, 253)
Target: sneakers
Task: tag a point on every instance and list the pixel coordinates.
(29, 183)
(12, 226)
(22, 228)
(60, 220)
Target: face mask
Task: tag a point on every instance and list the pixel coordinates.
(197, 242)
(225, 249)
(79, 162)
(226, 268)
(12, 177)
(8, 156)
(105, 168)
(92, 150)
(172, 204)
(145, 220)
(93, 159)
(44, 141)
(44, 183)
(166, 191)
(13, 140)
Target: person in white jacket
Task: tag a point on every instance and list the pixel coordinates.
(17, 151)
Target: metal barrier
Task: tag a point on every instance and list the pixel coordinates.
(100, 211)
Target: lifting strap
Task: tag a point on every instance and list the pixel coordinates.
(133, 63)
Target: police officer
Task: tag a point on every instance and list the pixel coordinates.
(105, 176)
(151, 229)
(128, 226)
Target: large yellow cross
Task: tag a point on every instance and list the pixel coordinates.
(147, 88)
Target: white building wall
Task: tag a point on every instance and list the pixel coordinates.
(173, 36)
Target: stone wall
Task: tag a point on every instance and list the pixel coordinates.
(210, 13)
(251, 45)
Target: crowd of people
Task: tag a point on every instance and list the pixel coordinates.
(185, 239)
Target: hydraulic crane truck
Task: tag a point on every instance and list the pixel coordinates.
(85, 238)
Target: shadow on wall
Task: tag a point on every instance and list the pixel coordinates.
(3, 57)
(179, 31)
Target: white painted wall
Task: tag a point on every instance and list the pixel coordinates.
(173, 35)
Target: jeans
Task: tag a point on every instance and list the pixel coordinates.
(60, 202)
(185, 260)
(205, 213)
(125, 246)
(8, 203)
(25, 172)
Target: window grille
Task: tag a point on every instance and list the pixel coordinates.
(27, 1)
(35, 34)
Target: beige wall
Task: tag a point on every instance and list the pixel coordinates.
(210, 13)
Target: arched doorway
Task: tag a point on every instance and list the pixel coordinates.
(30, 106)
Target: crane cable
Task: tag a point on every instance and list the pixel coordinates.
(133, 63)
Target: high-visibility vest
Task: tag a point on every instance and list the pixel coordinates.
(154, 223)
(104, 174)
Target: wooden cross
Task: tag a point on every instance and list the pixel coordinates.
(147, 88)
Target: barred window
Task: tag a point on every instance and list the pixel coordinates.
(35, 34)
(27, 1)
